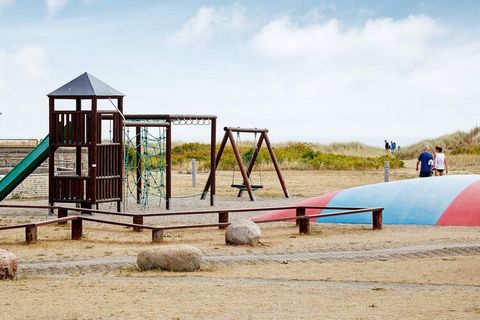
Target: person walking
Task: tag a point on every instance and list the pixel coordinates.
(425, 160)
(440, 162)
(387, 146)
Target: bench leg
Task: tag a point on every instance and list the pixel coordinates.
(137, 220)
(31, 234)
(157, 235)
(77, 229)
(299, 212)
(377, 219)
(62, 213)
(222, 217)
(304, 226)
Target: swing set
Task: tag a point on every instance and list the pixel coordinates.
(247, 184)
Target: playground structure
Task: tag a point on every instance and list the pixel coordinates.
(155, 180)
(104, 167)
(247, 184)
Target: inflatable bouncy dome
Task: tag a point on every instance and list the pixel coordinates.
(444, 201)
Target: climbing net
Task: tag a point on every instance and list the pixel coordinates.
(145, 165)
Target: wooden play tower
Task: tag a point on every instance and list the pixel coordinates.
(98, 178)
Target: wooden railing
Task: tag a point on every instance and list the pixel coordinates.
(71, 128)
(70, 188)
(302, 219)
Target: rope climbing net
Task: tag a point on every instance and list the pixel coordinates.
(145, 165)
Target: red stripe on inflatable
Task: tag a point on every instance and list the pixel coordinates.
(464, 209)
(319, 201)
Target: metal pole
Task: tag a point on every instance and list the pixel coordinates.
(386, 166)
(194, 173)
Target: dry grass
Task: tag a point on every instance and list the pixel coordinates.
(465, 162)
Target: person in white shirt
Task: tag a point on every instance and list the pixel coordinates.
(440, 162)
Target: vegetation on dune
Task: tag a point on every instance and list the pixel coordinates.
(463, 148)
(294, 156)
(350, 149)
(459, 142)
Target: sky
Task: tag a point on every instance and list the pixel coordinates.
(316, 71)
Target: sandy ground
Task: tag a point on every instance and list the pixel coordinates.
(336, 272)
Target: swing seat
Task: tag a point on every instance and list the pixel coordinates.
(244, 187)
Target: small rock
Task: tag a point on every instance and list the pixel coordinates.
(171, 258)
(8, 264)
(243, 232)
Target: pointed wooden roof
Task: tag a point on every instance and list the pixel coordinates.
(86, 85)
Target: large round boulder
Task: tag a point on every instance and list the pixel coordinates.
(8, 264)
(242, 232)
(170, 258)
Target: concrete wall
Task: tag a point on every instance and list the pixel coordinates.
(34, 186)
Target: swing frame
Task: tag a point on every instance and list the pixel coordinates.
(246, 172)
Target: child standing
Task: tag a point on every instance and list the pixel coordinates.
(440, 162)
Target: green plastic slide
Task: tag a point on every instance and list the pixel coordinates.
(24, 168)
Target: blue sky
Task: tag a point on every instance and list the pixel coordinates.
(320, 71)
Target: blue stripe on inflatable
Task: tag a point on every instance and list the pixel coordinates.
(415, 201)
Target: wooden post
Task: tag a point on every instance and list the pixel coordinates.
(275, 164)
(138, 220)
(386, 166)
(304, 226)
(31, 234)
(51, 152)
(377, 217)
(157, 235)
(300, 211)
(222, 217)
(62, 213)
(168, 164)
(213, 170)
(92, 152)
(138, 163)
(194, 173)
(118, 127)
(77, 229)
(213, 165)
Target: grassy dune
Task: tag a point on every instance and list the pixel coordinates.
(462, 148)
(456, 143)
(292, 156)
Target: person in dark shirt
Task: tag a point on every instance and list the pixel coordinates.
(387, 146)
(425, 160)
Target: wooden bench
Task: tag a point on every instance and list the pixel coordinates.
(302, 220)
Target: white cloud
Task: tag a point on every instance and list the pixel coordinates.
(407, 77)
(200, 29)
(4, 3)
(55, 6)
(23, 83)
